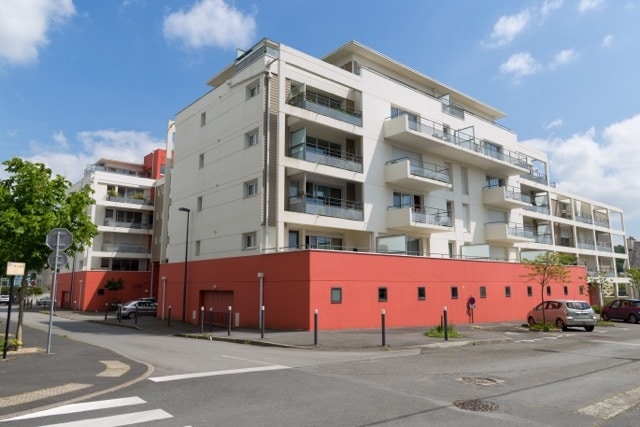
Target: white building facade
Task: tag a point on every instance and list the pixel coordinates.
(356, 152)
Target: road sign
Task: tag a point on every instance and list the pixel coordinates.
(61, 259)
(59, 238)
(15, 268)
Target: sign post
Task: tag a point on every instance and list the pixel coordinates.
(13, 269)
(58, 239)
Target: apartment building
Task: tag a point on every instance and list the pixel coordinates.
(124, 194)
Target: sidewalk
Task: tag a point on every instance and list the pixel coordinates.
(362, 339)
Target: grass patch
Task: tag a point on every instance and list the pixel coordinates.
(438, 332)
(542, 327)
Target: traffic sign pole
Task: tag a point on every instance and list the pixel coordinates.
(58, 239)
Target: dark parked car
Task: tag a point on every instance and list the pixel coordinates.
(140, 308)
(564, 313)
(622, 309)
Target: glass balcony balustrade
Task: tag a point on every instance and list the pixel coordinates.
(327, 206)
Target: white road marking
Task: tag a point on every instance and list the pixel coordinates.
(618, 343)
(614, 405)
(118, 420)
(217, 373)
(32, 396)
(81, 407)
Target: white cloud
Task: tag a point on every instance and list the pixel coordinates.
(211, 23)
(60, 139)
(554, 124)
(520, 64)
(603, 168)
(586, 5)
(508, 27)
(128, 146)
(564, 57)
(24, 26)
(607, 41)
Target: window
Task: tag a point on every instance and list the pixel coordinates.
(382, 294)
(251, 188)
(199, 203)
(454, 292)
(464, 172)
(104, 263)
(108, 213)
(201, 161)
(294, 239)
(397, 112)
(529, 291)
(483, 291)
(197, 247)
(323, 242)
(466, 218)
(507, 291)
(251, 138)
(452, 249)
(548, 290)
(565, 289)
(422, 293)
(336, 295)
(125, 264)
(253, 89)
(203, 119)
(249, 241)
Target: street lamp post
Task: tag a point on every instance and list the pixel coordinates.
(186, 257)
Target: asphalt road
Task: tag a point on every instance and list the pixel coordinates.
(572, 378)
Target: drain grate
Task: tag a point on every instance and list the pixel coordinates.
(479, 380)
(476, 405)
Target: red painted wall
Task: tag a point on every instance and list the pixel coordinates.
(299, 282)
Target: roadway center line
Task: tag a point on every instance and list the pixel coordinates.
(217, 373)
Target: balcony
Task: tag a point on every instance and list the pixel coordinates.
(131, 225)
(505, 197)
(601, 222)
(427, 136)
(541, 209)
(335, 158)
(325, 105)
(125, 247)
(326, 206)
(604, 247)
(416, 175)
(586, 244)
(508, 233)
(584, 217)
(135, 200)
(418, 220)
(543, 238)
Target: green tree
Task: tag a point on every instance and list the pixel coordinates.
(547, 268)
(634, 278)
(599, 283)
(32, 203)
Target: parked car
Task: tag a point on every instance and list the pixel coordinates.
(149, 299)
(140, 308)
(622, 309)
(4, 299)
(44, 301)
(564, 313)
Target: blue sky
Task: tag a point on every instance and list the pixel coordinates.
(84, 79)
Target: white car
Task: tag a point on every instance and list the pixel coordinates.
(4, 299)
(44, 301)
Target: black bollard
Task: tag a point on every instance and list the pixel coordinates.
(229, 323)
(383, 315)
(201, 319)
(315, 327)
(262, 322)
(106, 311)
(446, 326)
(169, 318)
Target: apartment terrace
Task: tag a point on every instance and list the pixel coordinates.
(417, 175)
(460, 145)
(326, 206)
(327, 105)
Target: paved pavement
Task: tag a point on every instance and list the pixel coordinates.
(31, 378)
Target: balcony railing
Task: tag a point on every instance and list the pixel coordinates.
(130, 200)
(535, 176)
(326, 206)
(543, 209)
(543, 238)
(604, 247)
(425, 169)
(123, 224)
(466, 141)
(326, 106)
(428, 215)
(584, 217)
(327, 157)
(601, 222)
(110, 169)
(586, 244)
(125, 247)
(513, 193)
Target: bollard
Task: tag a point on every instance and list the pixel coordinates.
(446, 326)
(229, 323)
(315, 327)
(169, 321)
(210, 319)
(384, 332)
(119, 313)
(262, 321)
(135, 319)
(106, 310)
(202, 319)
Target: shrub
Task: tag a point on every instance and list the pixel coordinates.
(438, 332)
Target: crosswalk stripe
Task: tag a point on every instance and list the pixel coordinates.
(216, 373)
(118, 420)
(81, 407)
(609, 408)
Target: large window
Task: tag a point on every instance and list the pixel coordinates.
(323, 242)
(403, 200)
(124, 264)
(324, 194)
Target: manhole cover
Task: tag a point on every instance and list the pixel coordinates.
(476, 405)
(479, 380)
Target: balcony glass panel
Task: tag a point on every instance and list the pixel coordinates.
(327, 206)
(125, 247)
(327, 106)
(330, 155)
(428, 215)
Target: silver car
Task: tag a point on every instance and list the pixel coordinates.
(135, 308)
(564, 313)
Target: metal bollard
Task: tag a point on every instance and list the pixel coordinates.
(210, 319)
(229, 323)
(262, 321)
(169, 321)
(383, 315)
(446, 326)
(315, 327)
(202, 320)
(106, 311)
(119, 313)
